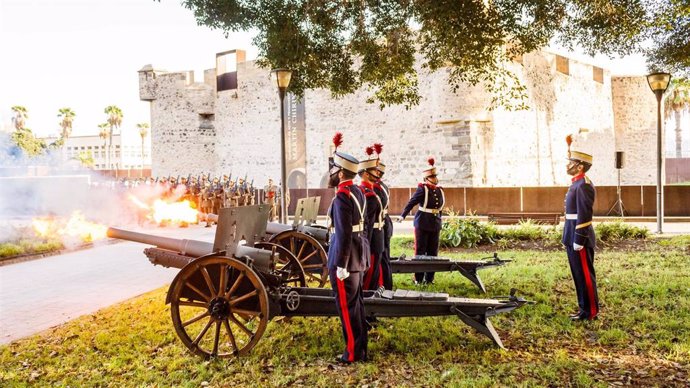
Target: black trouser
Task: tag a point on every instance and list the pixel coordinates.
(582, 268)
(373, 278)
(348, 301)
(425, 243)
(386, 270)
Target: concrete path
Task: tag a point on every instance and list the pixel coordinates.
(39, 294)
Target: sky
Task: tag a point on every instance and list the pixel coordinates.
(85, 54)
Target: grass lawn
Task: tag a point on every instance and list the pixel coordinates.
(642, 337)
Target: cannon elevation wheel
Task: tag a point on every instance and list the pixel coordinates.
(219, 307)
(286, 266)
(308, 252)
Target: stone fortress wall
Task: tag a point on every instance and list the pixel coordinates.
(199, 130)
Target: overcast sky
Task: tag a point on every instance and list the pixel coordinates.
(84, 54)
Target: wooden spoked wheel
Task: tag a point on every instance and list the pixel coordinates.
(219, 307)
(308, 252)
(285, 265)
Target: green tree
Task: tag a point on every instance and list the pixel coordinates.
(67, 118)
(20, 116)
(103, 133)
(676, 102)
(114, 121)
(24, 138)
(143, 131)
(670, 33)
(345, 45)
(85, 158)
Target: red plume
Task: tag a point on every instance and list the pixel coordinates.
(337, 140)
(369, 150)
(569, 140)
(378, 147)
(431, 161)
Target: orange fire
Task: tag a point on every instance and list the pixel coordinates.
(76, 226)
(174, 212)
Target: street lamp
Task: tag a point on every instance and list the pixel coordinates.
(658, 82)
(282, 79)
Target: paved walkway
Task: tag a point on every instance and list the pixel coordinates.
(39, 294)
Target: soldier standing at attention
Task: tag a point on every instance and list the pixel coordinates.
(427, 220)
(578, 234)
(373, 279)
(381, 189)
(348, 253)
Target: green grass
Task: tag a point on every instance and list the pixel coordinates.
(29, 246)
(642, 338)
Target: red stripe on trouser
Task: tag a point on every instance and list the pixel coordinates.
(380, 276)
(370, 272)
(588, 280)
(346, 320)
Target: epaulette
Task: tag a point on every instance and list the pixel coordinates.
(420, 185)
(369, 194)
(587, 180)
(344, 190)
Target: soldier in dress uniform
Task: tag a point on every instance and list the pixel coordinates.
(578, 234)
(270, 192)
(427, 220)
(348, 253)
(207, 201)
(373, 279)
(381, 189)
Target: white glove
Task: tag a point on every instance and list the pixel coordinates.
(577, 246)
(399, 219)
(342, 273)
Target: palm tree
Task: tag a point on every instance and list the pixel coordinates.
(103, 134)
(67, 116)
(143, 131)
(114, 120)
(676, 102)
(20, 116)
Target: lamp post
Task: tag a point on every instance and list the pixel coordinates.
(658, 82)
(282, 79)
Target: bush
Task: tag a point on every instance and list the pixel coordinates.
(527, 230)
(467, 233)
(9, 249)
(618, 230)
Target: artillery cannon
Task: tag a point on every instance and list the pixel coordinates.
(309, 243)
(226, 292)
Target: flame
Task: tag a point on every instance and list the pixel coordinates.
(161, 211)
(173, 212)
(76, 226)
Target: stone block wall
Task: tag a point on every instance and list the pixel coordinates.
(636, 129)
(196, 129)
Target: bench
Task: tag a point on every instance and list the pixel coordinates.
(515, 218)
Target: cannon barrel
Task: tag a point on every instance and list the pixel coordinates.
(192, 248)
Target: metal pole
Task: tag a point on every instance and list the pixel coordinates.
(283, 167)
(659, 163)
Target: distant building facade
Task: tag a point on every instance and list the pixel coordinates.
(125, 154)
(231, 123)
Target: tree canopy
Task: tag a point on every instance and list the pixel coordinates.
(344, 45)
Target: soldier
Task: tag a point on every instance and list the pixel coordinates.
(207, 201)
(427, 220)
(373, 279)
(270, 192)
(578, 234)
(381, 189)
(348, 253)
(217, 196)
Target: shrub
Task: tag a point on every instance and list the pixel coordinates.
(527, 230)
(466, 232)
(618, 230)
(9, 249)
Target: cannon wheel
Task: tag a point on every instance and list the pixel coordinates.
(287, 265)
(219, 307)
(308, 251)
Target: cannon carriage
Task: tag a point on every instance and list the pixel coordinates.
(309, 243)
(226, 292)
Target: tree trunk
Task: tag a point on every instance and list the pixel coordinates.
(679, 137)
